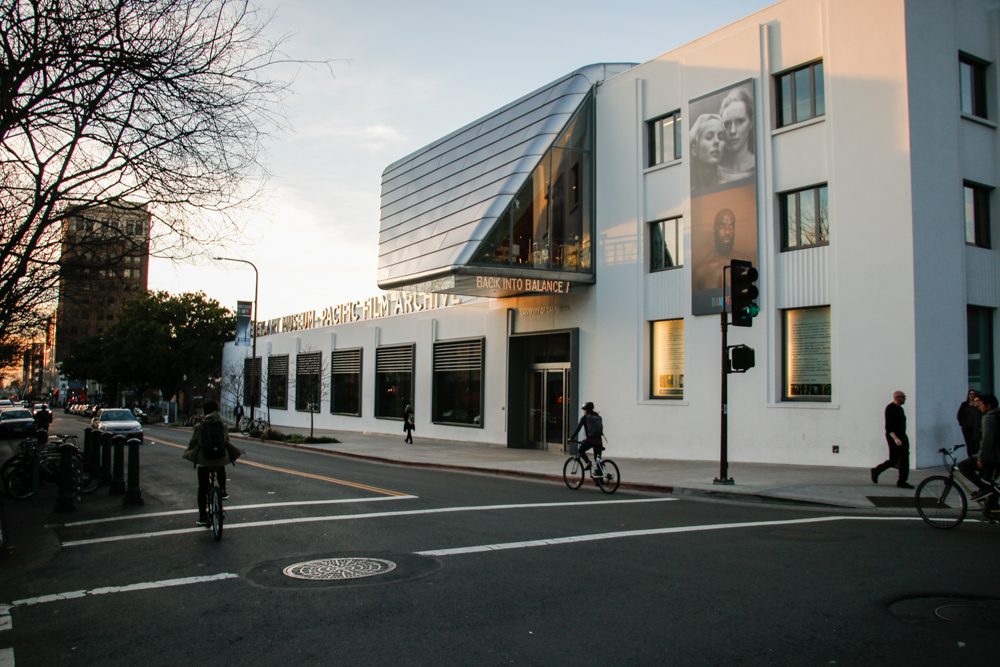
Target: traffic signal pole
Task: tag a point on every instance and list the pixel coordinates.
(723, 477)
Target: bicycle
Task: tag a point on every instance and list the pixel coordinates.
(941, 500)
(248, 426)
(213, 505)
(604, 472)
(34, 464)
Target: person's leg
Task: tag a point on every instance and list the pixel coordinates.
(903, 458)
(968, 468)
(202, 492)
(885, 465)
(221, 477)
(582, 451)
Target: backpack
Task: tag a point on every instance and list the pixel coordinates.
(595, 425)
(213, 440)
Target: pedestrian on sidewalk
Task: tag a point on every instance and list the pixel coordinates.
(408, 424)
(237, 413)
(970, 419)
(980, 468)
(899, 444)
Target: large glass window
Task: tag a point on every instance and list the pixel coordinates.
(972, 85)
(807, 363)
(666, 244)
(458, 382)
(251, 382)
(664, 137)
(980, 339)
(308, 386)
(667, 359)
(345, 382)
(549, 223)
(277, 382)
(393, 380)
(800, 94)
(977, 215)
(805, 222)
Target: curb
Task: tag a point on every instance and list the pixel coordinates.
(547, 477)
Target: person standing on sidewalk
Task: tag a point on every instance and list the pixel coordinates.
(970, 420)
(984, 463)
(408, 424)
(899, 444)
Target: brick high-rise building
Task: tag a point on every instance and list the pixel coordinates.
(105, 256)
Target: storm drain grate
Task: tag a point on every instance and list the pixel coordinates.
(337, 569)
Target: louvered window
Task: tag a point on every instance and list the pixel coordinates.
(345, 382)
(277, 382)
(251, 382)
(307, 381)
(393, 380)
(458, 382)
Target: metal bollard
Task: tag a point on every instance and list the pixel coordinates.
(118, 466)
(92, 446)
(106, 456)
(64, 503)
(133, 494)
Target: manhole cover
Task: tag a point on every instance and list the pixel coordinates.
(976, 616)
(336, 569)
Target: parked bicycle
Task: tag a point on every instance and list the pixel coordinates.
(941, 500)
(247, 425)
(604, 472)
(213, 506)
(35, 464)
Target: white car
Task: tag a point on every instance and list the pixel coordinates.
(117, 421)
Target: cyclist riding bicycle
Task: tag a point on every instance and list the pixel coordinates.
(593, 427)
(209, 448)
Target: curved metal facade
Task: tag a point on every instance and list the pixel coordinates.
(441, 202)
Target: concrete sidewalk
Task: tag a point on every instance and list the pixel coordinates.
(760, 482)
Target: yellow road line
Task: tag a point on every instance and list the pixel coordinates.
(309, 475)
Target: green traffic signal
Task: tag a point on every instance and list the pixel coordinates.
(743, 293)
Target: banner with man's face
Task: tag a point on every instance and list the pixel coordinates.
(723, 162)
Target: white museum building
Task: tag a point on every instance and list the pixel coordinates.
(574, 246)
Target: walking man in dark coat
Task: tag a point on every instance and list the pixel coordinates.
(899, 444)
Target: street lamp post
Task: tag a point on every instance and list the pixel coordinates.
(253, 352)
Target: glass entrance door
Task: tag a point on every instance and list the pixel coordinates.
(547, 407)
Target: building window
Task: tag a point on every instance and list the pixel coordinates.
(458, 383)
(980, 336)
(667, 359)
(972, 85)
(805, 222)
(977, 215)
(807, 364)
(308, 388)
(277, 382)
(393, 380)
(251, 382)
(664, 139)
(800, 94)
(666, 239)
(345, 382)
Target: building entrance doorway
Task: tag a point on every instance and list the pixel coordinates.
(547, 407)
(541, 388)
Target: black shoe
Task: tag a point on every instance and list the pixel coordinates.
(874, 476)
(586, 467)
(904, 485)
(982, 493)
(202, 521)
(223, 495)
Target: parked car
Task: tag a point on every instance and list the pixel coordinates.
(16, 423)
(118, 421)
(6, 403)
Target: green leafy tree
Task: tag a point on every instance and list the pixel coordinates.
(159, 341)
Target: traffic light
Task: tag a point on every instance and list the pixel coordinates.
(743, 293)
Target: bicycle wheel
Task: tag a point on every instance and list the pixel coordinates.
(88, 474)
(941, 502)
(8, 468)
(244, 425)
(215, 513)
(18, 482)
(609, 483)
(573, 472)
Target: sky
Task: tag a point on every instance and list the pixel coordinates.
(402, 74)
